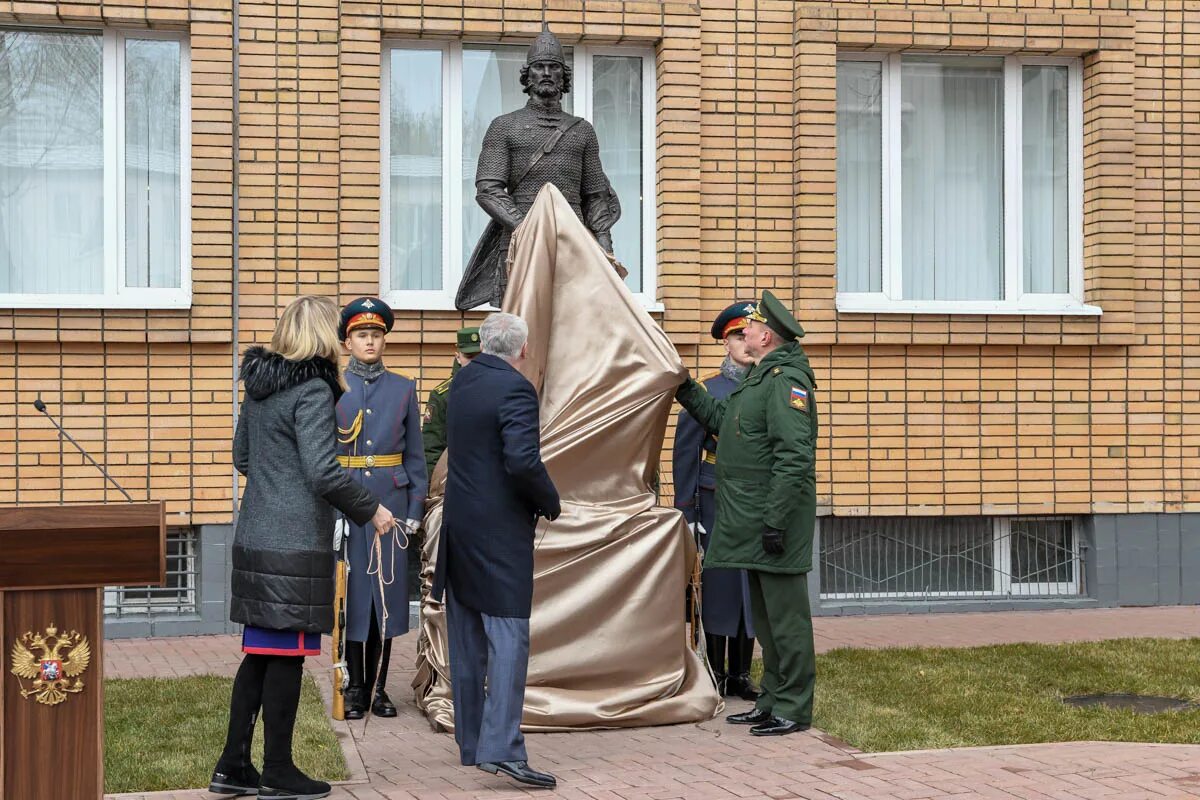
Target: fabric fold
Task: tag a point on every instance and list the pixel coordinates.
(609, 645)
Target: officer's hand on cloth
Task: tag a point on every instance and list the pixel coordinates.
(383, 520)
(772, 542)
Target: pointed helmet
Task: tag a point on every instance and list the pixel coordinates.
(546, 47)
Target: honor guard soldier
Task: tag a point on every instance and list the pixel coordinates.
(433, 430)
(725, 593)
(379, 435)
(766, 507)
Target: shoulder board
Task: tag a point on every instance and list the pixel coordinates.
(442, 387)
(793, 374)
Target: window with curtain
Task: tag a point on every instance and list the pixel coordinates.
(93, 177)
(959, 184)
(440, 98)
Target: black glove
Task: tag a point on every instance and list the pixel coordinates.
(551, 514)
(772, 542)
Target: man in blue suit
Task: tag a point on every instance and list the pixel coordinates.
(496, 488)
(725, 593)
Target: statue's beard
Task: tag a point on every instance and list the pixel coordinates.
(547, 90)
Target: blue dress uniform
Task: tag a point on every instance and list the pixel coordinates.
(725, 593)
(384, 452)
(379, 442)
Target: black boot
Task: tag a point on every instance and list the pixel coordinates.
(382, 706)
(715, 645)
(741, 653)
(281, 779)
(235, 775)
(355, 695)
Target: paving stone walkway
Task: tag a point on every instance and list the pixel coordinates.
(401, 759)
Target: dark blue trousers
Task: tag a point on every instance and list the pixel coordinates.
(487, 723)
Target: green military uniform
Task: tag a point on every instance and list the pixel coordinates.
(766, 481)
(433, 426)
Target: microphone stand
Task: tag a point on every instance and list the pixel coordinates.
(40, 406)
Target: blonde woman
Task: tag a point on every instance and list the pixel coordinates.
(283, 563)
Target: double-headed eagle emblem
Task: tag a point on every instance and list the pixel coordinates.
(39, 658)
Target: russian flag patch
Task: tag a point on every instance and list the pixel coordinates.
(799, 399)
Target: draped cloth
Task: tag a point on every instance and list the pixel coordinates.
(608, 639)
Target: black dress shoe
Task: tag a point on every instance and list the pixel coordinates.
(778, 726)
(383, 707)
(234, 781)
(521, 772)
(752, 717)
(355, 702)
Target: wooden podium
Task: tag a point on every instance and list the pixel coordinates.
(54, 564)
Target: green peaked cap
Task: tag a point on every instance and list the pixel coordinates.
(778, 318)
(468, 341)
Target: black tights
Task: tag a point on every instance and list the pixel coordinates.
(271, 683)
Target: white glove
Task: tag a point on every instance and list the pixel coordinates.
(340, 532)
(696, 528)
(413, 525)
(700, 528)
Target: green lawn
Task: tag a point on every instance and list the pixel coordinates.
(913, 698)
(164, 733)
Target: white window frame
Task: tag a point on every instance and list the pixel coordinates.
(453, 255)
(1003, 584)
(1016, 299)
(116, 294)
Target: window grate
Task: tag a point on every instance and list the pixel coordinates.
(925, 558)
(179, 594)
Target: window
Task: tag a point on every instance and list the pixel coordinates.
(438, 101)
(866, 558)
(94, 207)
(959, 184)
(176, 597)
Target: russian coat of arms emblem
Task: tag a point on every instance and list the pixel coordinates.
(52, 662)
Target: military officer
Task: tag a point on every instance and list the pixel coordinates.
(379, 437)
(766, 507)
(725, 594)
(433, 429)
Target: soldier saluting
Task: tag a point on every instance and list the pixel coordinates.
(766, 507)
(523, 151)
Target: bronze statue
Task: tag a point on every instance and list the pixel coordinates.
(524, 150)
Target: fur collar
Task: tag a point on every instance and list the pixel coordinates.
(264, 373)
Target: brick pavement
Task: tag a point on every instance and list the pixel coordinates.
(402, 759)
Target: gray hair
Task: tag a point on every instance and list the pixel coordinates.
(503, 335)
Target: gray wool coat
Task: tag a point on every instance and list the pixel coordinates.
(285, 445)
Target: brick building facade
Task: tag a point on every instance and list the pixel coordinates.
(1023, 452)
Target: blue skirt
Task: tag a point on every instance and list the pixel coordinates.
(264, 641)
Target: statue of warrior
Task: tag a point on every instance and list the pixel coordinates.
(524, 150)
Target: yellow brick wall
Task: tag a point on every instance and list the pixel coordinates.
(920, 414)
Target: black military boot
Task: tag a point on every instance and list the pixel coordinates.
(382, 706)
(715, 646)
(355, 695)
(741, 651)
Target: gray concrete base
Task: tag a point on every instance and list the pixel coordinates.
(1128, 560)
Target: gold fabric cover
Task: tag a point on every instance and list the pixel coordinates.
(608, 639)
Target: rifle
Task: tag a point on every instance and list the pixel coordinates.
(698, 564)
(341, 675)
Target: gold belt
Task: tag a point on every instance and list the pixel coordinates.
(710, 457)
(358, 462)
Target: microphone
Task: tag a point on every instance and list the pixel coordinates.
(40, 406)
